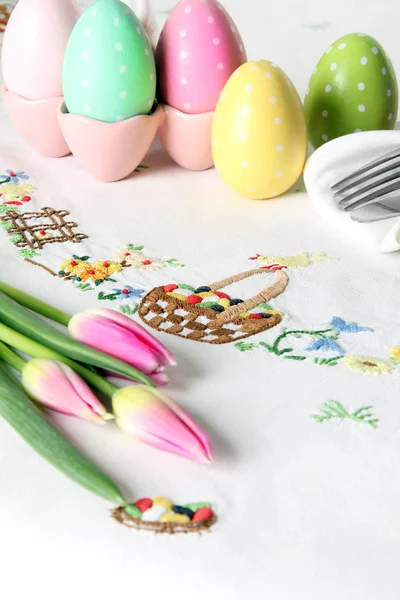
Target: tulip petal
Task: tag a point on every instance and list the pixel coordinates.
(163, 355)
(154, 418)
(188, 421)
(58, 387)
(107, 336)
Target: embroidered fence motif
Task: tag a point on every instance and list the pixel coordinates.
(35, 229)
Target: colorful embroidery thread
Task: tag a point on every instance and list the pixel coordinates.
(189, 320)
(334, 410)
(161, 515)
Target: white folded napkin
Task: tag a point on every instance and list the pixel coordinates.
(338, 159)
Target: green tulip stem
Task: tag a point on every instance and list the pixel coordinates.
(11, 358)
(36, 305)
(36, 350)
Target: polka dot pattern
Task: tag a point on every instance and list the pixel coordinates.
(109, 71)
(261, 135)
(353, 88)
(199, 43)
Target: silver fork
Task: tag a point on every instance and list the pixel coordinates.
(369, 185)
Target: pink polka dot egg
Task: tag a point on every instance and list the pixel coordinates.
(198, 50)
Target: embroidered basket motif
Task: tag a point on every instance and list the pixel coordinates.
(171, 315)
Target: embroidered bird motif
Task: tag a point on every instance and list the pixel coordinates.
(298, 261)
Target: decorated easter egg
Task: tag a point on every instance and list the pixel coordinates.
(259, 136)
(34, 45)
(109, 70)
(198, 50)
(353, 88)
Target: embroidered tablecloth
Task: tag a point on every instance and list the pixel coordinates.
(302, 404)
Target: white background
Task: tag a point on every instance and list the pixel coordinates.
(306, 511)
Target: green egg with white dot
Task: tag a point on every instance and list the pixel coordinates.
(109, 70)
(353, 88)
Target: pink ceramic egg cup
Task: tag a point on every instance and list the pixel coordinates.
(109, 151)
(36, 121)
(187, 138)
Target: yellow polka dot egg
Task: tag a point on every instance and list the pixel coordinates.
(259, 134)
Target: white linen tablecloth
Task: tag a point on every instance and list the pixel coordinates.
(307, 507)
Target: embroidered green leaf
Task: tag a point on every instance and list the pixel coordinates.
(137, 170)
(102, 296)
(294, 357)
(5, 208)
(85, 287)
(73, 277)
(16, 237)
(129, 310)
(173, 262)
(6, 225)
(134, 248)
(28, 253)
(317, 26)
(328, 362)
(335, 410)
(245, 346)
(84, 258)
(299, 191)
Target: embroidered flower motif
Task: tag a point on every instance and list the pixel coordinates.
(15, 176)
(43, 234)
(395, 353)
(128, 292)
(135, 259)
(347, 326)
(326, 345)
(71, 266)
(368, 365)
(16, 195)
(98, 271)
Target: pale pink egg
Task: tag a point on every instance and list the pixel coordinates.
(199, 49)
(34, 45)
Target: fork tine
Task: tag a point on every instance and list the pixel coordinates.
(368, 167)
(372, 197)
(370, 176)
(372, 186)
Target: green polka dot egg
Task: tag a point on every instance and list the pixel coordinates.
(353, 89)
(109, 71)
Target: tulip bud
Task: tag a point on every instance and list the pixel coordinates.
(155, 419)
(57, 386)
(119, 336)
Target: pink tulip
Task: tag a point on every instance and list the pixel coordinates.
(57, 386)
(155, 419)
(119, 336)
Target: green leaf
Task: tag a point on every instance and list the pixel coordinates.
(28, 253)
(5, 208)
(172, 262)
(84, 258)
(129, 310)
(294, 357)
(245, 347)
(266, 346)
(102, 296)
(7, 225)
(85, 287)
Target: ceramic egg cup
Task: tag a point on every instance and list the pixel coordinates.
(187, 138)
(36, 121)
(109, 151)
